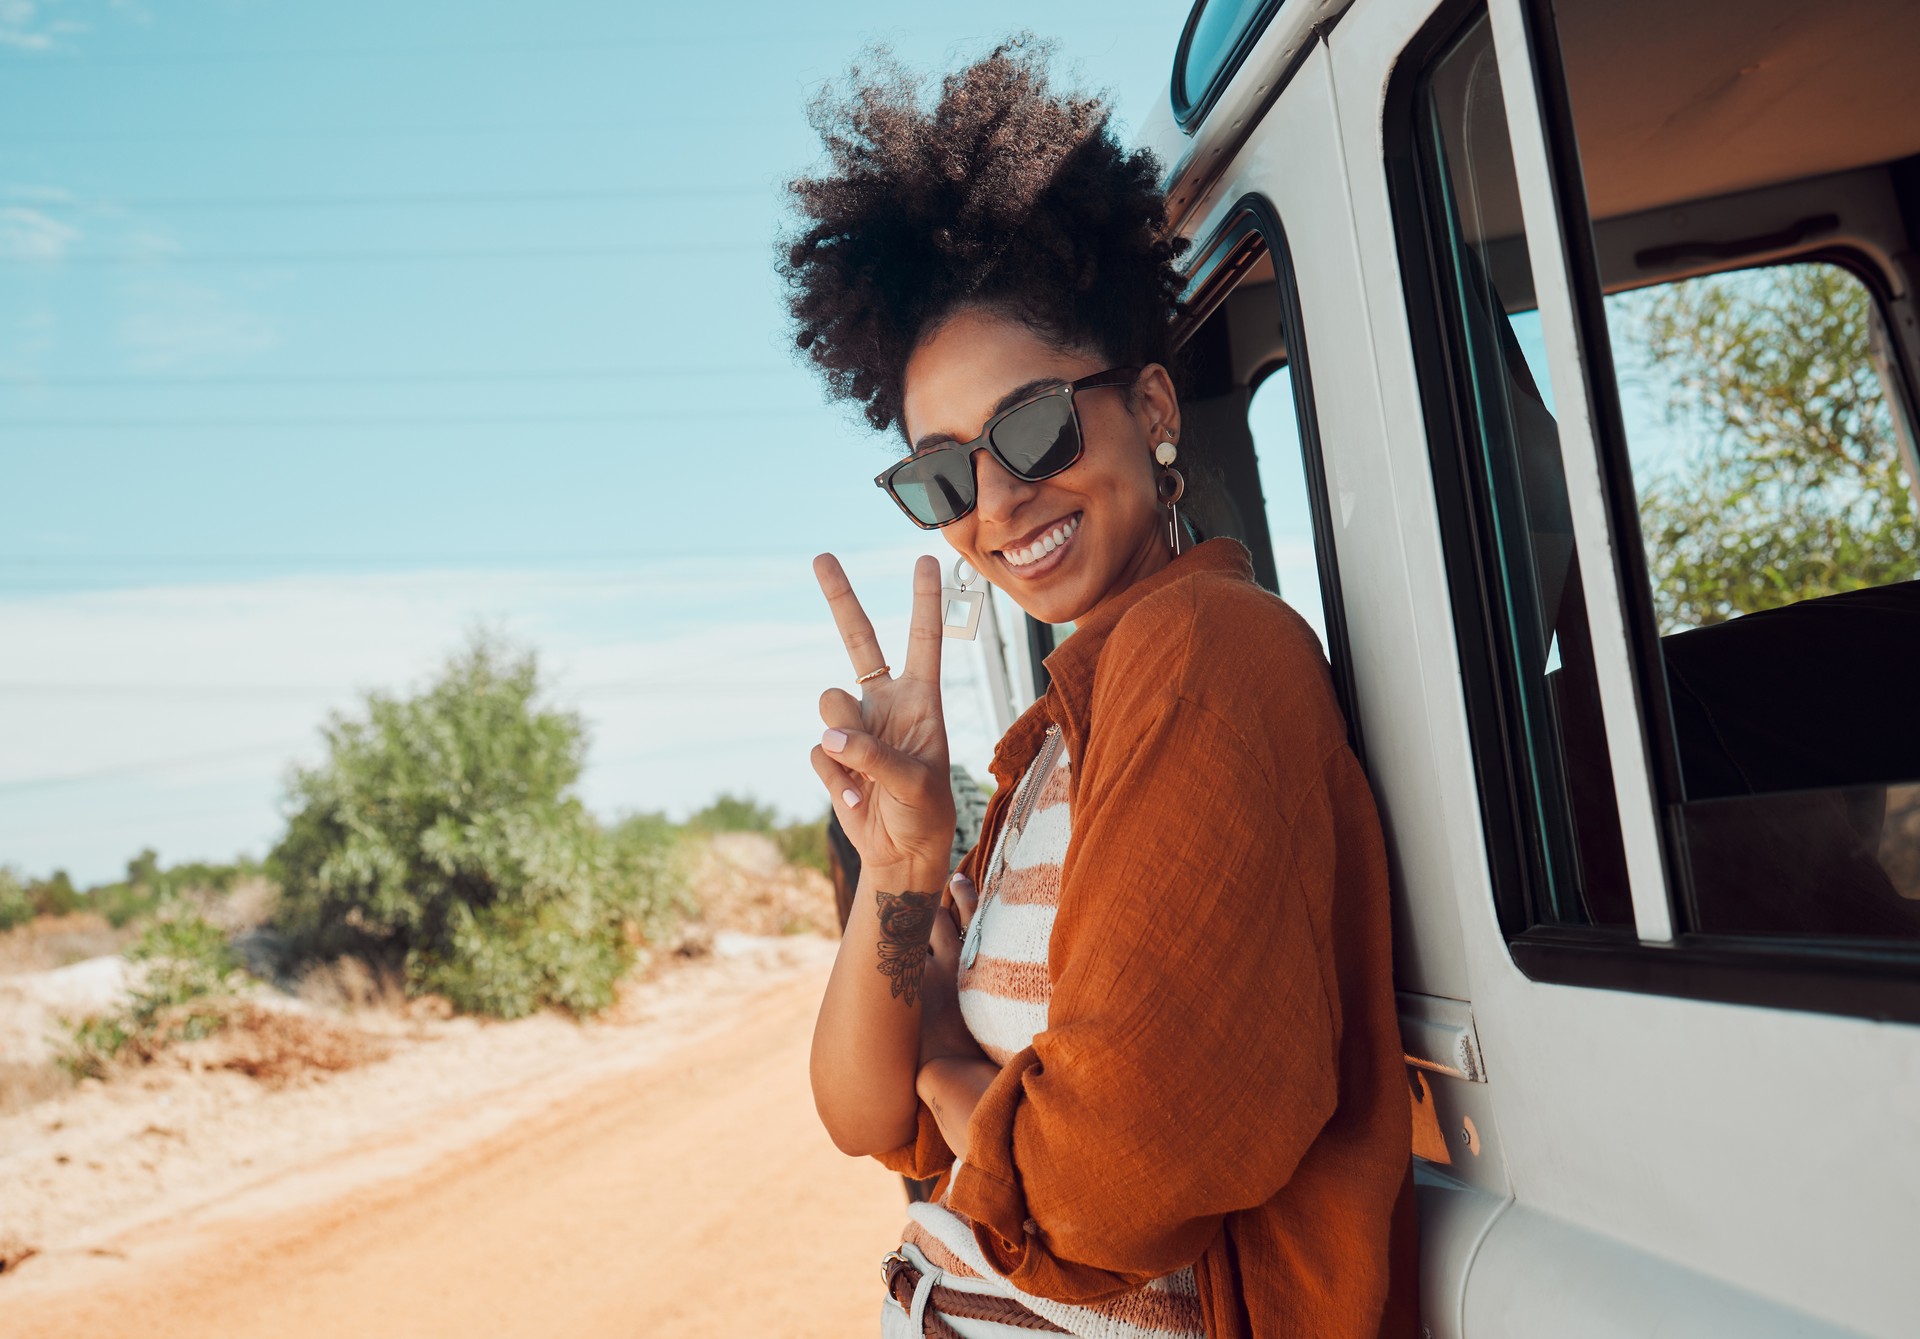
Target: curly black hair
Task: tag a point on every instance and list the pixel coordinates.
(1004, 195)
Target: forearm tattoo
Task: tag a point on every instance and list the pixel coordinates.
(906, 926)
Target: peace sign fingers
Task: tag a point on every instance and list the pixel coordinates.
(856, 629)
(924, 633)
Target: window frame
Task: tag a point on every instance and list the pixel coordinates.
(1188, 113)
(1252, 229)
(1879, 981)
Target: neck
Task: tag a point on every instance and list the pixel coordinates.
(1149, 557)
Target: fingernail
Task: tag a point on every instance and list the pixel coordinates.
(963, 883)
(851, 796)
(833, 740)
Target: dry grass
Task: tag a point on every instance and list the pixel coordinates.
(354, 985)
(13, 1250)
(23, 1083)
(279, 1046)
(47, 942)
(741, 883)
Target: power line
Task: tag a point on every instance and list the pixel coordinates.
(651, 127)
(382, 257)
(490, 377)
(61, 62)
(716, 416)
(401, 198)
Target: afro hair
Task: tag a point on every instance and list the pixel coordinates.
(1004, 195)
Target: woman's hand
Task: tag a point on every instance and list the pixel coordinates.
(883, 755)
(943, 1032)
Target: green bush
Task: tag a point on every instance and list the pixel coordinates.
(16, 907)
(805, 844)
(735, 813)
(442, 831)
(188, 964)
(147, 887)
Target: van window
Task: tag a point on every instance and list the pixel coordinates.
(1777, 514)
(1768, 449)
(1218, 35)
(1250, 441)
(1274, 419)
(1561, 839)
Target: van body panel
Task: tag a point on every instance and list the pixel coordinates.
(1650, 1142)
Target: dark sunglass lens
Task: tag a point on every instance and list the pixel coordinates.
(936, 488)
(1039, 439)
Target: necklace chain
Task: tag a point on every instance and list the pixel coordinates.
(1030, 786)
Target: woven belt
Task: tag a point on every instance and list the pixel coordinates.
(914, 1288)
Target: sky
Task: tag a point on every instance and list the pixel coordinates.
(329, 334)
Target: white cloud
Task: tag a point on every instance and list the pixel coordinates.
(33, 234)
(27, 25)
(166, 716)
(174, 324)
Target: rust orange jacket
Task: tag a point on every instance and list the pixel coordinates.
(1220, 1081)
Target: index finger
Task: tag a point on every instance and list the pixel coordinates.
(856, 629)
(925, 634)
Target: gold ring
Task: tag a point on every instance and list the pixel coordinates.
(880, 673)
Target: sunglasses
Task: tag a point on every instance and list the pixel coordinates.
(1033, 440)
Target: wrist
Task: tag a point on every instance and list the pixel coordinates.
(911, 875)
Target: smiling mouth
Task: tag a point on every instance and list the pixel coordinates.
(1042, 552)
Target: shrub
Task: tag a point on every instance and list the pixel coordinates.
(147, 887)
(735, 813)
(16, 907)
(805, 844)
(442, 830)
(188, 967)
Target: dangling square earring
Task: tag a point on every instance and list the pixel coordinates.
(1169, 488)
(960, 608)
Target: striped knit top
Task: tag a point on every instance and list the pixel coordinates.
(1004, 992)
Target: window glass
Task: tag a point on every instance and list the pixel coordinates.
(1778, 518)
(1283, 484)
(1216, 30)
(1572, 863)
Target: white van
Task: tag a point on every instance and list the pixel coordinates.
(1656, 852)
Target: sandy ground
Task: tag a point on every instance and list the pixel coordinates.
(659, 1173)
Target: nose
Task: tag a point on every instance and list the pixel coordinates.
(999, 492)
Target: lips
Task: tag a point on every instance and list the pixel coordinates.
(1039, 552)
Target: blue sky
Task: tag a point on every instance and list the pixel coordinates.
(329, 332)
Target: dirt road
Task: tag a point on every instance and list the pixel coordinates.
(695, 1195)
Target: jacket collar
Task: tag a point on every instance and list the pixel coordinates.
(1068, 700)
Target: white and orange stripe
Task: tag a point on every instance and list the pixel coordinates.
(1004, 993)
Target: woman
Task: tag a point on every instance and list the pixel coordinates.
(1146, 1036)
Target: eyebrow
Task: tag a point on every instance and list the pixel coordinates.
(1007, 401)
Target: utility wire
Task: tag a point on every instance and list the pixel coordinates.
(409, 199)
(61, 62)
(491, 377)
(382, 257)
(716, 415)
(652, 127)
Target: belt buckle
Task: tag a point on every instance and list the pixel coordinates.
(891, 1265)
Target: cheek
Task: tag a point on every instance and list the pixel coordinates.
(962, 537)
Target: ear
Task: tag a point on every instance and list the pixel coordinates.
(1156, 406)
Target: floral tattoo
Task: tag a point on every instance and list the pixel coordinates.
(906, 926)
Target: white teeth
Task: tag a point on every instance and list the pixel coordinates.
(1041, 547)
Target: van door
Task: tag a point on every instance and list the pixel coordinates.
(1705, 1085)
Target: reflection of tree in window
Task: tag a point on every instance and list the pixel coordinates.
(1792, 485)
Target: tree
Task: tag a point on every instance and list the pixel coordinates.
(443, 829)
(1795, 487)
